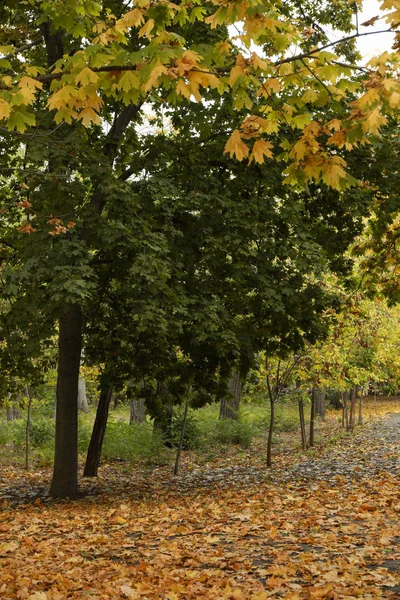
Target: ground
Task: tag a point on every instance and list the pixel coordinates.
(325, 524)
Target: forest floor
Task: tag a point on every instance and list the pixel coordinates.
(322, 524)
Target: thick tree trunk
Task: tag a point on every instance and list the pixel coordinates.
(229, 407)
(137, 411)
(65, 472)
(82, 399)
(97, 438)
(312, 417)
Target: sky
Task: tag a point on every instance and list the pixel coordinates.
(371, 45)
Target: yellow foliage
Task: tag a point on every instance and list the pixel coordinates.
(236, 147)
(261, 149)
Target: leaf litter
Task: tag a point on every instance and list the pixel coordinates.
(325, 524)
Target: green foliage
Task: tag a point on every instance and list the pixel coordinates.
(227, 431)
(192, 439)
(133, 443)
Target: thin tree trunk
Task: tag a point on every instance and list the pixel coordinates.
(270, 431)
(312, 417)
(28, 425)
(302, 424)
(353, 397)
(360, 412)
(99, 429)
(65, 472)
(137, 411)
(229, 407)
(182, 437)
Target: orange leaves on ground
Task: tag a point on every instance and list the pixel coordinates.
(316, 528)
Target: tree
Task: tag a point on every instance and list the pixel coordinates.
(94, 64)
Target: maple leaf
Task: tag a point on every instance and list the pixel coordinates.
(183, 89)
(145, 31)
(5, 109)
(133, 18)
(374, 121)
(88, 115)
(155, 75)
(128, 81)
(86, 77)
(261, 149)
(236, 147)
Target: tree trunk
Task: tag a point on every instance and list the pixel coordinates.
(302, 424)
(182, 436)
(82, 399)
(320, 404)
(65, 472)
(137, 411)
(353, 397)
(346, 410)
(360, 407)
(28, 426)
(270, 430)
(99, 429)
(229, 407)
(312, 417)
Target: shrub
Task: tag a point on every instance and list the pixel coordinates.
(227, 431)
(192, 439)
(41, 432)
(132, 442)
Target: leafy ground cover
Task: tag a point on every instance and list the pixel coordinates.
(324, 524)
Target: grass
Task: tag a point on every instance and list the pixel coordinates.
(139, 443)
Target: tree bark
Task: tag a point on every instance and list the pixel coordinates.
(302, 424)
(312, 417)
(82, 399)
(353, 397)
(182, 437)
(229, 407)
(360, 407)
(65, 472)
(28, 426)
(99, 429)
(137, 411)
(270, 430)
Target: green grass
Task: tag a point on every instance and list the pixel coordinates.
(138, 442)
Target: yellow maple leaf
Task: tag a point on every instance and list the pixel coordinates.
(133, 18)
(5, 109)
(128, 81)
(261, 149)
(299, 150)
(145, 31)
(236, 147)
(183, 89)
(374, 121)
(86, 77)
(154, 77)
(88, 115)
(61, 97)
(235, 73)
(197, 79)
